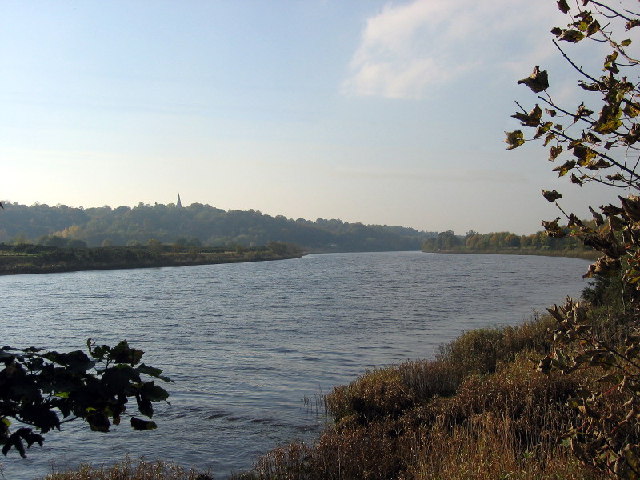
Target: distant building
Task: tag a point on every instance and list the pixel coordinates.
(179, 204)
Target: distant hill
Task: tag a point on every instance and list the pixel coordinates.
(196, 224)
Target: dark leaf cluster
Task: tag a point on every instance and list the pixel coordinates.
(40, 390)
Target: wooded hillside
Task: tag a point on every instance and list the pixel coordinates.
(195, 225)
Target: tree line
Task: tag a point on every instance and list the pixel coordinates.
(193, 225)
(505, 242)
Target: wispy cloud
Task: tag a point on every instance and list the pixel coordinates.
(410, 47)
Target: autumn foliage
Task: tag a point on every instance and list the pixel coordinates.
(597, 141)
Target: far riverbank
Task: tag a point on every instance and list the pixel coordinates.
(25, 259)
(585, 254)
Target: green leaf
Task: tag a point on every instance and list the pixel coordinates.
(542, 129)
(77, 361)
(610, 63)
(152, 371)
(584, 154)
(153, 392)
(609, 119)
(531, 119)
(563, 6)
(116, 380)
(139, 424)
(122, 353)
(565, 168)
(98, 421)
(593, 28)
(631, 110)
(571, 35)
(514, 139)
(554, 152)
(144, 405)
(597, 165)
(548, 138)
(538, 81)
(626, 43)
(551, 195)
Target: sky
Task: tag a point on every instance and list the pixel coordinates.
(382, 112)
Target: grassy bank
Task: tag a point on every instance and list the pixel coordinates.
(41, 259)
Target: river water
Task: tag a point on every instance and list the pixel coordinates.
(245, 344)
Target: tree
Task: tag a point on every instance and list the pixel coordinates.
(597, 141)
(41, 390)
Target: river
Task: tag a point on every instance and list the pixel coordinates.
(245, 344)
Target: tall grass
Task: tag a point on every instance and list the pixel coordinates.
(130, 470)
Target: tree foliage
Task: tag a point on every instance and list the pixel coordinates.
(40, 390)
(196, 224)
(507, 242)
(597, 141)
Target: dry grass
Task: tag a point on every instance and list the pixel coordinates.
(485, 448)
(130, 470)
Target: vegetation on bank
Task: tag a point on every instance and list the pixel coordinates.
(539, 243)
(193, 225)
(26, 258)
(131, 470)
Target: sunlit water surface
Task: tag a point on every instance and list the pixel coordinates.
(246, 343)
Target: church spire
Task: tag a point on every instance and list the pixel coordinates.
(179, 204)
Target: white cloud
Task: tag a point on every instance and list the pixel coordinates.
(410, 47)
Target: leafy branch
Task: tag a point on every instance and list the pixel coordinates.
(608, 434)
(44, 389)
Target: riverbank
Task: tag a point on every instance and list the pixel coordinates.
(25, 259)
(574, 253)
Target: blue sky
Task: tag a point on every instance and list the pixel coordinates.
(374, 111)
